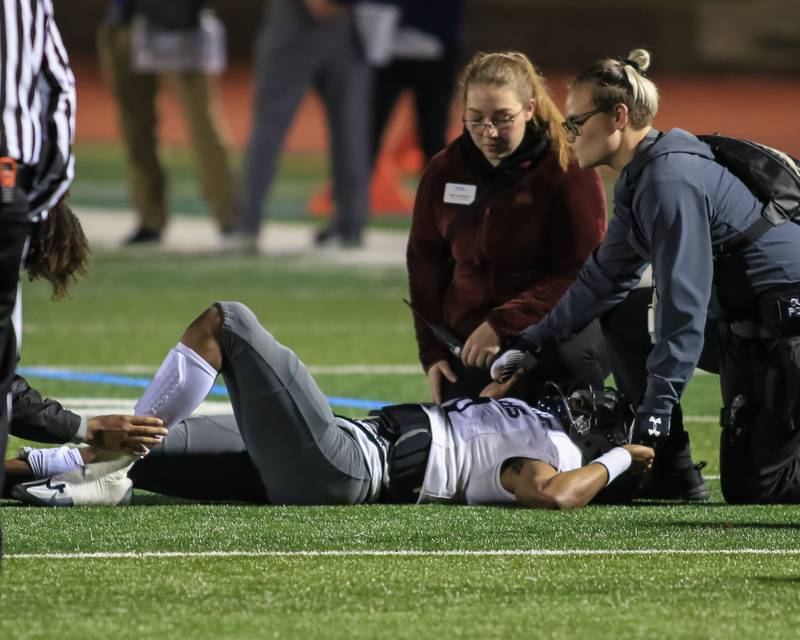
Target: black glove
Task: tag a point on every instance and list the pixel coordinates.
(651, 428)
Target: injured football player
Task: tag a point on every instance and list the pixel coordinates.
(284, 445)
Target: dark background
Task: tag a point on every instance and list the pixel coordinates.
(565, 35)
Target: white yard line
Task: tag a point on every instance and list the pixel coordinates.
(113, 555)
(340, 369)
(103, 406)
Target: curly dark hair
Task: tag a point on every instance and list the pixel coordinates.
(59, 251)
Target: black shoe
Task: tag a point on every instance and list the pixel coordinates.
(143, 236)
(329, 237)
(675, 476)
(324, 236)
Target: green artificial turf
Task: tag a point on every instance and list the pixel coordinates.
(131, 311)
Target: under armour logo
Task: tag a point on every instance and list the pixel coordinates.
(655, 429)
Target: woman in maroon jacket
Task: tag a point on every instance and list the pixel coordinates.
(503, 221)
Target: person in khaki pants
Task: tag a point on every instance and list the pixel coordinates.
(135, 93)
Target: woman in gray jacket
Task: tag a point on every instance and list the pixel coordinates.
(677, 208)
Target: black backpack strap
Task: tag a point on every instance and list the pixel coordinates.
(742, 239)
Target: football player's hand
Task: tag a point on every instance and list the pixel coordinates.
(502, 389)
(128, 434)
(437, 371)
(481, 347)
(641, 457)
(651, 428)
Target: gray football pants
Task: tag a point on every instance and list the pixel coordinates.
(282, 444)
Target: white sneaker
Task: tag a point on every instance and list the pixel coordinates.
(95, 485)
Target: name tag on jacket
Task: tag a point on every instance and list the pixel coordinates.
(455, 193)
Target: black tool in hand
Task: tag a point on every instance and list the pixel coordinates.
(442, 333)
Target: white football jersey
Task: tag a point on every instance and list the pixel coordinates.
(471, 441)
(473, 438)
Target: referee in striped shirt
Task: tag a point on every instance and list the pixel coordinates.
(37, 105)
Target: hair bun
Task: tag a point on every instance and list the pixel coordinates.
(640, 58)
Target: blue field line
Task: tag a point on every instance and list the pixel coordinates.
(141, 383)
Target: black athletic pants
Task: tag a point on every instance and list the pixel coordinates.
(15, 227)
(432, 82)
(760, 449)
(763, 463)
(628, 345)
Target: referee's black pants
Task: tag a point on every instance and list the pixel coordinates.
(432, 82)
(15, 228)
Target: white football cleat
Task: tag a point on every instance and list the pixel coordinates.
(104, 484)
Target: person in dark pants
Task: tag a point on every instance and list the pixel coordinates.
(37, 124)
(718, 289)
(628, 347)
(503, 220)
(425, 60)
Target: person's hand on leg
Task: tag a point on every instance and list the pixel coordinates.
(128, 434)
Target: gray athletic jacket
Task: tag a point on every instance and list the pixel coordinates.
(673, 202)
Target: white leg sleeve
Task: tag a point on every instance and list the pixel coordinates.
(179, 386)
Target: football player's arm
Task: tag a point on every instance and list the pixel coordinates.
(40, 419)
(45, 420)
(537, 484)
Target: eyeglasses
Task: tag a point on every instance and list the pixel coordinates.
(498, 124)
(574, 124)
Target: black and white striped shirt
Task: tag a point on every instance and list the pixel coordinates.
(37, 99)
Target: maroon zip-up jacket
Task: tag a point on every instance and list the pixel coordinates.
(511, 258)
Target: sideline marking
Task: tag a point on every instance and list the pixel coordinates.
(220, 390)
(113, 555)
(208, 407)
(142, 383)
(123, 405)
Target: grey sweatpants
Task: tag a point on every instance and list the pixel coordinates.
(287, 448)
(295, 53)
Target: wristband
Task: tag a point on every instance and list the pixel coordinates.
(617, 461)
(83, 429)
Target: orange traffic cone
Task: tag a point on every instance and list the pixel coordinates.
(387, 195)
